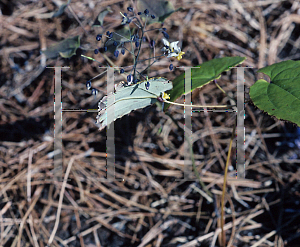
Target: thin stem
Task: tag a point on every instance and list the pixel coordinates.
(77, 19)
(149, 65)
(146, 22)
(98, 75)
(224, 186)
(137, 56)
(205, 106)
(136, 24)
(151, 58)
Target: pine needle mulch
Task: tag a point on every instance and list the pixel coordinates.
(149, 203)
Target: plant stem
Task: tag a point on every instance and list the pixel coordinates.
(224, 186)
(205, 106)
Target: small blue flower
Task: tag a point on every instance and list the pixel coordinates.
(133, 38)
(171, 67)
(139, 13)
(111, 35)
(123, 51)
(153, 16)
(147, 85)
(121, 71)
(130, 9)
(125, 14)
(152, 43)
(116, 53)
(107, 33)
(137, 44)
(98, 37)
(96, 51)
(164, 29)
(115, 43)
(146, 11)
(94, 91)
(88, 84)
(129, 79)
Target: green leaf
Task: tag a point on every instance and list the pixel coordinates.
(65, 48)
(129, 98)
(99, 20)
(160, 8)
(207, 72)
(280, 97)
(61, 9)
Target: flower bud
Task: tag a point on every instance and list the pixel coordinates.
(129, 79)
(152, 43)
(88, 84)
(98, 37)
(165, 34)
(94, 91)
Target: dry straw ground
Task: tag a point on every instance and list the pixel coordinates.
(152, 206)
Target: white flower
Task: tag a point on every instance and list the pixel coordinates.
(172, 49)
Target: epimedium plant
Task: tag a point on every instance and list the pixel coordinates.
(116, 42)
(134, 94)
(279, 98)
(138, 91)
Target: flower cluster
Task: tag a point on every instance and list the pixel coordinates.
(118, 44)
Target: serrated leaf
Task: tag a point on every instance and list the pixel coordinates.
(129, 98)
(61, 9)
(280, 97)
(160, 8)
(65, 48)
(99, 20)
(207, 72)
